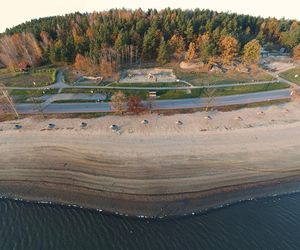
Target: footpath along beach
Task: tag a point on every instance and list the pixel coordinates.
(157, 169)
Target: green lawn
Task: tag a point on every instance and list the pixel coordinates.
(149, 84)
(41, 76)
(23, 95)
(83, 91)
(178, 94)
(181, 94)
(290, 75)
(198, 79)
(71, 75)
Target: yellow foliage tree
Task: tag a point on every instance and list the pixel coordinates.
(229, 48)
(190, 54)
(251, 52)
(177, 45)
(296, 52)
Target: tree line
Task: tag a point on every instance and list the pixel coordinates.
(104, 41)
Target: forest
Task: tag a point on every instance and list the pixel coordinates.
(105, 41)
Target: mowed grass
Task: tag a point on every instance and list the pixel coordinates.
(83, 91)
(20, 96)
(149, 84)
(71, 75)
(41, 77)
(195, 93)
(290, 75)
(182, 94)
(199, 79)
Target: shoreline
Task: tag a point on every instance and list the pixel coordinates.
(156, 170)
(132, 206)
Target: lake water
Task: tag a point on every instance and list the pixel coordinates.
(269, 223)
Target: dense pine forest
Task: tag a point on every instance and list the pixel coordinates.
(105, 41)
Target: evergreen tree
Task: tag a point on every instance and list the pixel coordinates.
(163, 53)
(150, 44)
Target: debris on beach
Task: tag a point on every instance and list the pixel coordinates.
(208, 117)
(130, 130)
(83, 125)
(260, 113)
(114, 127)
(51, 125)
(145, 122)
(238, 118)
(17, 126)
(179, 123)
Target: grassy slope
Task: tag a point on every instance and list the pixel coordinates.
(179, 94)
(22, 95)
(290, 75)
(41, 76)
(149, 84)
(222, 78)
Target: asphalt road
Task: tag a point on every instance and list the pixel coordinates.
(159, 104)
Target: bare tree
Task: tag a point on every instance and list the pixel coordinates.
(118, 102)
(6, 99)
(210, 94)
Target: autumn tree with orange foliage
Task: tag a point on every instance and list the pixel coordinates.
(296, 52)
(118, 102)
(190, 54)
(85, 64)
(229, 47)
(20, 48)
(134, 105)
(177, 46)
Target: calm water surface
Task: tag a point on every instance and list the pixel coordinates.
(270, 223)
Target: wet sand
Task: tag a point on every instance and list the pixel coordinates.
(157, 169)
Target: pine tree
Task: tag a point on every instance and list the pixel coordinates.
(203, 46)
(163, 54)
(150, 44)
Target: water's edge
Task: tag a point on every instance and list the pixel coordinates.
(148, 206)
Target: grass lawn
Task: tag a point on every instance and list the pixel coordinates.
(149, 84)
(290, 75)
(84, 91)
(23, 95)
(41, 76)
(70, 75)
(181, 94)
(222, 78)
(195, 93)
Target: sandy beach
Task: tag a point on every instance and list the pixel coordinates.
(157, 169)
